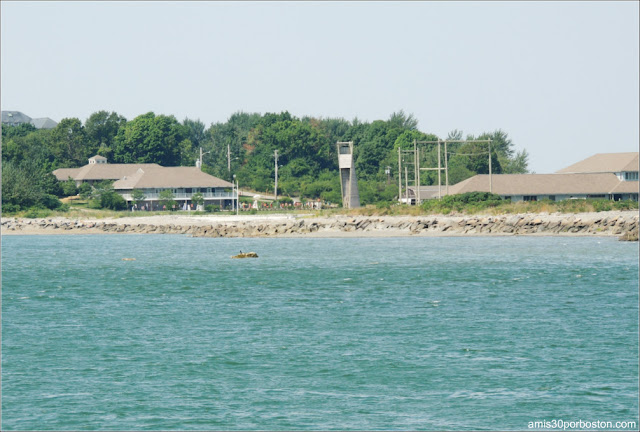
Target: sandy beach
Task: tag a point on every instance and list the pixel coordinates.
(612, 223)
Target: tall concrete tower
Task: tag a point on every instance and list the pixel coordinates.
(348, 180)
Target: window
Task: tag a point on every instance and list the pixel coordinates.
(631, 176)
(187, 190)
(530, 198)
(552, 197)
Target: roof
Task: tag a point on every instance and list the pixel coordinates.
(169, 177)
(98, 157)
(100, 171)
(604, 162)
(15, 117)
(63, 174)
(627, 187)
(541, 184)
(43, 123)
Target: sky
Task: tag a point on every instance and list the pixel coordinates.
(560, 78)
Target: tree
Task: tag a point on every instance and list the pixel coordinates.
(26, 185)
(20, 130)
(138, 197)
(69, 144)
(519, 164)
(167, 199)
(112, 200)
(84, 190)
(69, 187)
(475, 158)
(150, 139)
(197, 198)
(197, 137)
(101, 130)
(401, 120)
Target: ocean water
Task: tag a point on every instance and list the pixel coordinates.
(330, 334)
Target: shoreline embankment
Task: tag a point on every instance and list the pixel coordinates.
(623, 224)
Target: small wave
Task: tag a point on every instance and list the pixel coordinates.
(51, 396)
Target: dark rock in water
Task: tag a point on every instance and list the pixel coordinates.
(246, 255)
(629, 236)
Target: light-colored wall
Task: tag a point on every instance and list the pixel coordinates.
(179, 194)
(517, 198)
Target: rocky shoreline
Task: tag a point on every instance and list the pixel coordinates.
(623, 224)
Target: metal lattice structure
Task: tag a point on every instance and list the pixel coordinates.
(410, 159)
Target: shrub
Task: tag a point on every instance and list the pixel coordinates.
(469, 202)
(112, 200)
(50, 201)
(10, 208)
(211, 208)
(602, 205)
(37, 213)
(94, 204)
(85, 190)
(625, 205)
(69, 188)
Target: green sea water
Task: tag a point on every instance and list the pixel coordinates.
(348, 334)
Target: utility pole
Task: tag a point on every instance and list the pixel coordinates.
(490, 177)
(406, 185)
(399, 176)
(416, 171)
(229, 157)
(275, 155)
(439, 173)
(446, 167)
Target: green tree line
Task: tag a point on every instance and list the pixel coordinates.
(243, 146)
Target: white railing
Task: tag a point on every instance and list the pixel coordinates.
(183, 196)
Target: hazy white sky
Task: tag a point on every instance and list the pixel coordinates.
(561, 78)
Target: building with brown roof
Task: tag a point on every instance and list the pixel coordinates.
(98, 171)
(183, 182)
(152, 179)
(611, 176)
(623, 165)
